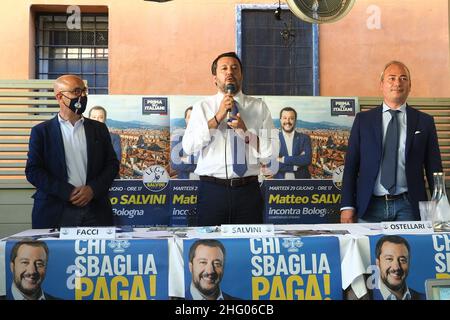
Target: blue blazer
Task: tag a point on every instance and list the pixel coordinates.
(375, 294)
(301, 143)
(46, 170)
(183, 169)
(115, 140)
(188, 296)
(364, 153)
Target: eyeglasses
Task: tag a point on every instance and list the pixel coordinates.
(78, 91)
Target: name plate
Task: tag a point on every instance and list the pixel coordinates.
(407, 227)
(88, 233)
(231, 230)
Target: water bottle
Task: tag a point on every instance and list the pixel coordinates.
(441, 221)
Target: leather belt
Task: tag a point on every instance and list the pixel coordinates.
(391, 197)
(234, 182)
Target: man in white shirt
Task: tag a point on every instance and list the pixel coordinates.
(231, 147)
(72, 163)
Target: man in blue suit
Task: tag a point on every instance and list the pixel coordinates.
(375, 189)
(99, 113)
(393, 261)
(72, 163)
(207, 266)
(28, 264)
(183, 164)
(295, 148)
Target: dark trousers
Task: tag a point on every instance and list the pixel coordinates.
(219, 204)
(73, 216)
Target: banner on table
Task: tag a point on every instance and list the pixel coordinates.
(263, 269)
(89, 269)
(402, 264)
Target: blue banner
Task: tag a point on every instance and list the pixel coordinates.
(301, 201)
(89, 269)
(263, 269)
(183, 197)
(135, 205)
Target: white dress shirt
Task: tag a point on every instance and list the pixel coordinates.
(214, 144)
(75, 150)
(18, 295)
(401, 185)
(289, 140)
(197, 295)
(388, 295)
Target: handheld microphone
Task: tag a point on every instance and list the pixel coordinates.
(231, 88)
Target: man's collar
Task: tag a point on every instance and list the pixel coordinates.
(237, 97)
(197, 295)
(18, 295)
(387, 293)
(401, 109)
(288, 134)
(64, 121)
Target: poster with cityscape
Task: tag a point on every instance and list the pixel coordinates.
(151, 190)
(139, 196)
(313, 133)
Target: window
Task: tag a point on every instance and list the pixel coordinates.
(279, 56)
(84, 51)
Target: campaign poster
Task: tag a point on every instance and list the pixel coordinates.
(400, 265)
(87, 269)
(183, 206)
(182, 166)
(263, 269)
(314, 133)
(139, 196)
(183, 180)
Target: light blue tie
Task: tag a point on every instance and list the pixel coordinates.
(390, 154)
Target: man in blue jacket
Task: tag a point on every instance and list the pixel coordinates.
(207, 267)
(389, 148)
(295, 148)
(99, 113)
(183, 164)
(28, 265)
(72, 163)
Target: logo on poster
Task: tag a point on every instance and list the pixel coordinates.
(343, 107)
(119, 246)
(154, 105)
(292, 244)
(155, 178)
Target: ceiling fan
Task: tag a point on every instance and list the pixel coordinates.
(320, 11)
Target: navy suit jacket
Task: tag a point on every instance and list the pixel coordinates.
(301, 143)
(188, 296)
(115, 140)
(364, 154)
(46, 169)
(183, 169)
(375, 294)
